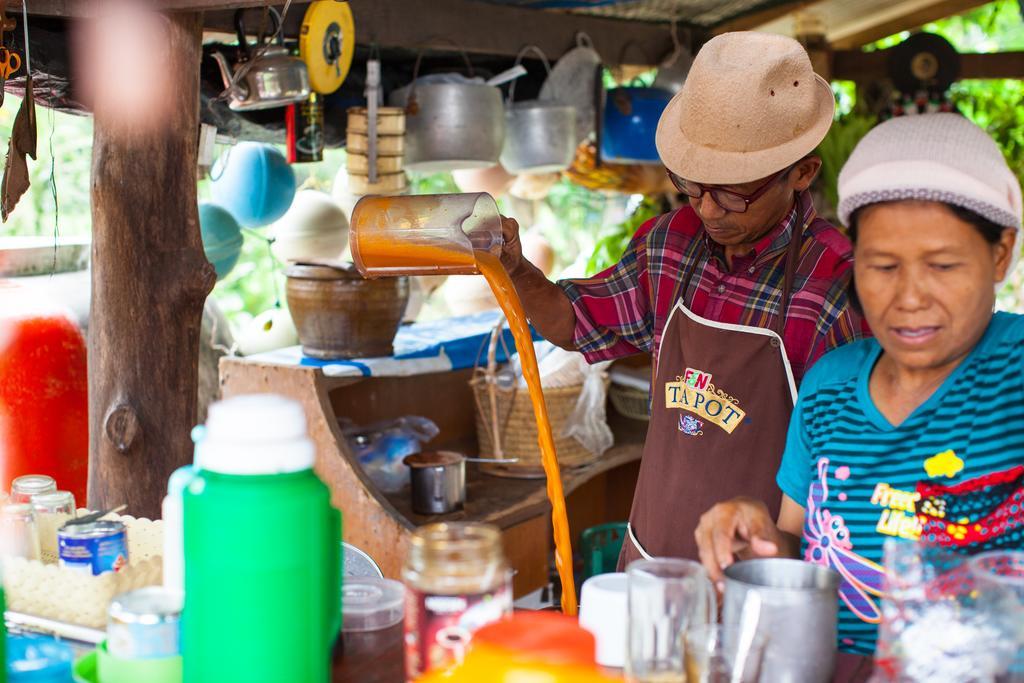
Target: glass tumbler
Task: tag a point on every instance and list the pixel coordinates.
(665, 597)
(18, 534)
(26, 486)
(722, 653)
(52, 511)
(999, 583)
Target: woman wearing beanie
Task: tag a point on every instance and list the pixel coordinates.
(919, 432)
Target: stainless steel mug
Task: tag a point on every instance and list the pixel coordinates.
(799, 605)
(438, 482)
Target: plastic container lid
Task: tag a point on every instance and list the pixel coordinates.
(38, 659)
(371, 604)
(255, 434)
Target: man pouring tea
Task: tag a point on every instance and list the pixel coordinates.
(734, 295)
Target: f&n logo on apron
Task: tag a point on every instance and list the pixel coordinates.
(693, 392)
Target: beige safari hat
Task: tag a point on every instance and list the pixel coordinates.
(751, 106)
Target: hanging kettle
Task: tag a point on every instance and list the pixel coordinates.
(267, 76)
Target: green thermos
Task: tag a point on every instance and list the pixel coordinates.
(262, 566)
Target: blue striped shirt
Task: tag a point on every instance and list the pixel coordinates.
(859, 476)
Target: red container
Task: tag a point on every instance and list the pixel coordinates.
(44, 409)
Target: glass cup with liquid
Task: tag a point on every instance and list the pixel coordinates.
(722, 653)
(665, 597)
(52, 510)
(437, 234)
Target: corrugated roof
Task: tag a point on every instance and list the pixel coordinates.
(705, 13)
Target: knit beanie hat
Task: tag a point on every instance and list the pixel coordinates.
(932, 157)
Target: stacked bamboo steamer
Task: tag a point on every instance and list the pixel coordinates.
(390, 148)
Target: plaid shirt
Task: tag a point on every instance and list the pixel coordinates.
(623, 310)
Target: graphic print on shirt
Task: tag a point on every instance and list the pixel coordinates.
(944, 464)
(984, 513)
(829, 544)
(693, 392)
(899, 512)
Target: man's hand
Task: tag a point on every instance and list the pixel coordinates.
(512, 250)
(741, 527)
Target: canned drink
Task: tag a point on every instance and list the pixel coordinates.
(52, 511)
(24, 487)
(18, 534)
(145, 624)
(96, 548)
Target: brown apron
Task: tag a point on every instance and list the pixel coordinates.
(720, 409)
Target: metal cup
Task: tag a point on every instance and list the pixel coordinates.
(797, 598)
(438, 482)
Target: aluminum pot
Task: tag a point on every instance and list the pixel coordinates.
(539, 137)
(438, 482)
(799, 604)
(451, 125)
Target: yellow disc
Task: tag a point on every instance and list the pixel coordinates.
(327, 42)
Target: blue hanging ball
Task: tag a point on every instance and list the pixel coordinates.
(222, 237)
(254, 182)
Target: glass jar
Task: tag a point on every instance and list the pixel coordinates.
(457, 580)
(26, 486)
(52, 510)
(18, 534)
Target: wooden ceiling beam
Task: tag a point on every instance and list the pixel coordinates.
(890, 24)
(84, 8)
(476, 27)
(756, 19)
(854, 65)
(488, 29)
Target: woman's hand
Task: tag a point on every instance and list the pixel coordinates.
(741, 527)
(512, 249)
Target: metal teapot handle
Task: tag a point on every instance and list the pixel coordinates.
(243, 43)
(411, 108)
(519, 59)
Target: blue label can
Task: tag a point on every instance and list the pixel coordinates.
(94, 548)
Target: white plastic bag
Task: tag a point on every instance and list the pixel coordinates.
(588, 423)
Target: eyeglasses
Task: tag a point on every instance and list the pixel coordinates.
(727, 199)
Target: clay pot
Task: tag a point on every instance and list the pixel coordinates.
(338, 314)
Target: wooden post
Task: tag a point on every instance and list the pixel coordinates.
(150, 280)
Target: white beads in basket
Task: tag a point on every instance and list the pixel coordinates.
(50, 591)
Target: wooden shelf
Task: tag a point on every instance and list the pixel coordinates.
(505, 502)
(381, 523)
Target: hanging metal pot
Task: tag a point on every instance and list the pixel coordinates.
(450, 125)
(540, 136)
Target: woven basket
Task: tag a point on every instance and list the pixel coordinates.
(506, 427)
(630, 402)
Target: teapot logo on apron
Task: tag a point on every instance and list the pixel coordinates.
(694, 393)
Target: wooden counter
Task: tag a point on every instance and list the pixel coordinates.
(380, 523)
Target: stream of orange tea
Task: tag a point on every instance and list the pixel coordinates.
(505, 293)
(382, 252)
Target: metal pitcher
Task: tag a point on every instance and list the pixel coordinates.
(799, 604)
(267, 76)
